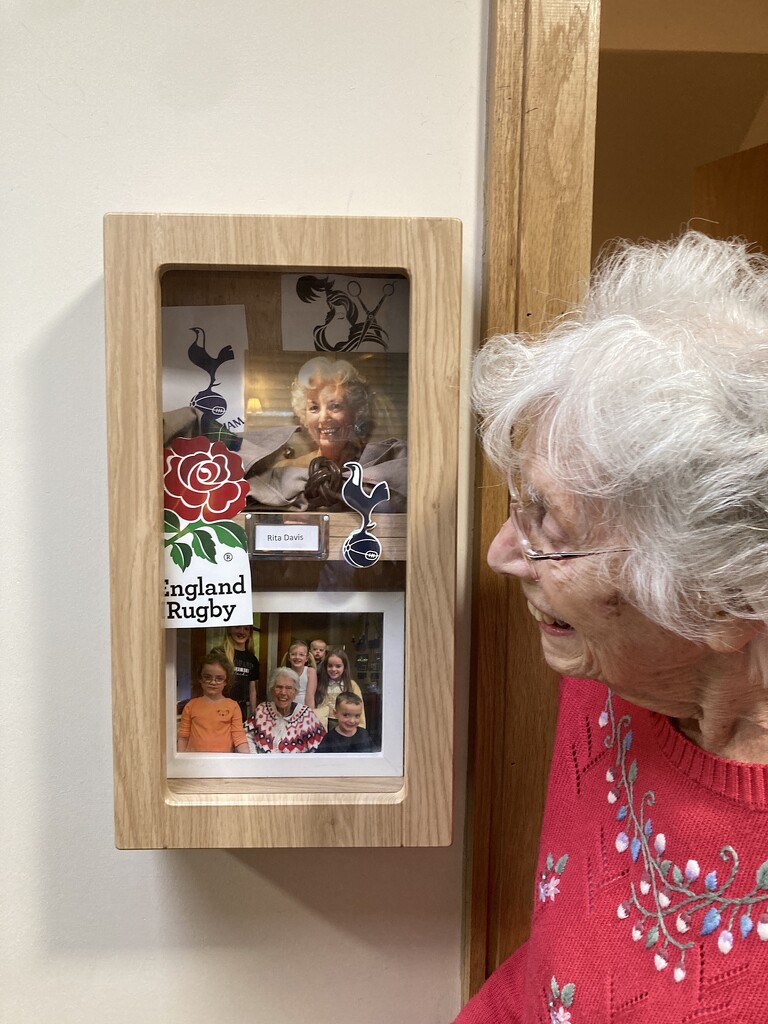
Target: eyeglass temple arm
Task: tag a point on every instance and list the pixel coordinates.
(560, 556)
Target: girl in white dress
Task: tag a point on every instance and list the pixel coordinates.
(303, 664)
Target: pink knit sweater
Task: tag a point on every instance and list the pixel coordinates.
(651, 901)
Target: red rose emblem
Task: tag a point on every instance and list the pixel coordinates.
(203, 480)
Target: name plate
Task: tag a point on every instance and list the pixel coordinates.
(286, 538)
(287, 534)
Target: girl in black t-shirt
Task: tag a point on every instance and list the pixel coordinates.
(246, 688)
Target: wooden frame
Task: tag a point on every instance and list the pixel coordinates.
(540, 154)
(152, 811)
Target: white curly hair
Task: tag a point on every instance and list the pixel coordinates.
(651, 399)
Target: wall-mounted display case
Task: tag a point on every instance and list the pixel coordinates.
(283, 410)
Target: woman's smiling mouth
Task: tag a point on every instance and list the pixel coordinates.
(547, 620)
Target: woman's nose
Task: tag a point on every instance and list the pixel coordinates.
(505, 555)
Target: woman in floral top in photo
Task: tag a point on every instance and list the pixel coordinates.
(634, 440)
(281, 725)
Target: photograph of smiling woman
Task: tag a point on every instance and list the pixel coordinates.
(335, 408)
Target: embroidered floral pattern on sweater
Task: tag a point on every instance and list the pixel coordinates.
(671, 902)
(560, 1001)
(549, 887)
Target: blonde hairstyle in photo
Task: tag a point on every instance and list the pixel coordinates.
(229, 644)
(320, 372)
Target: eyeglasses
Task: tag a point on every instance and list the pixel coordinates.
(526, 519)
(213, 679)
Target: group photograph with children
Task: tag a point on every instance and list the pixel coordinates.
(287, 683)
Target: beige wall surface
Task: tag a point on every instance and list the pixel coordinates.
(226, 106)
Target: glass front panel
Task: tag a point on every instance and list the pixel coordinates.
(285, 399)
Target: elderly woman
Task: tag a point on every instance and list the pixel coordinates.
(280, 725)
(635, 443)
(332, 403)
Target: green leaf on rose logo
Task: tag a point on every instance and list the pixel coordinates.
(171, 522)
(204, 545)
(181, 554)
(231, 534)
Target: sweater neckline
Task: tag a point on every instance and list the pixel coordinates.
(745, 784)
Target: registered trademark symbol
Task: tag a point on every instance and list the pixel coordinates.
(227, 556)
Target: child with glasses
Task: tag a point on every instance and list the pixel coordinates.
(212, 723)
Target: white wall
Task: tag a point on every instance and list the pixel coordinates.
(288, 106)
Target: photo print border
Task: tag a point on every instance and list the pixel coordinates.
(385, 763)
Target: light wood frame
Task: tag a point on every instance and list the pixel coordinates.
(150, 810)
(543, 57)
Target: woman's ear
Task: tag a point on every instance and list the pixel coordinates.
(726, 635)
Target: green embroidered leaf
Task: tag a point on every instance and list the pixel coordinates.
(566, 996)
(231, 534)
(555, 988)
(560, 866)
(171, 522)
(762, 875)
(550, 861)
(677, 875)
(664, 867)
(204, 545)
(633, 771)
(181, 554)
(652, 937)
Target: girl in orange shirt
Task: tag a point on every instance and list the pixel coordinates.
(213, 722)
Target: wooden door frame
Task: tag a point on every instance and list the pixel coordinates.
(542, 95)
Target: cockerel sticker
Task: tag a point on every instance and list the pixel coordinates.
(361, 549)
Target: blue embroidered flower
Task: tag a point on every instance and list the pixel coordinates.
(711, 921)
